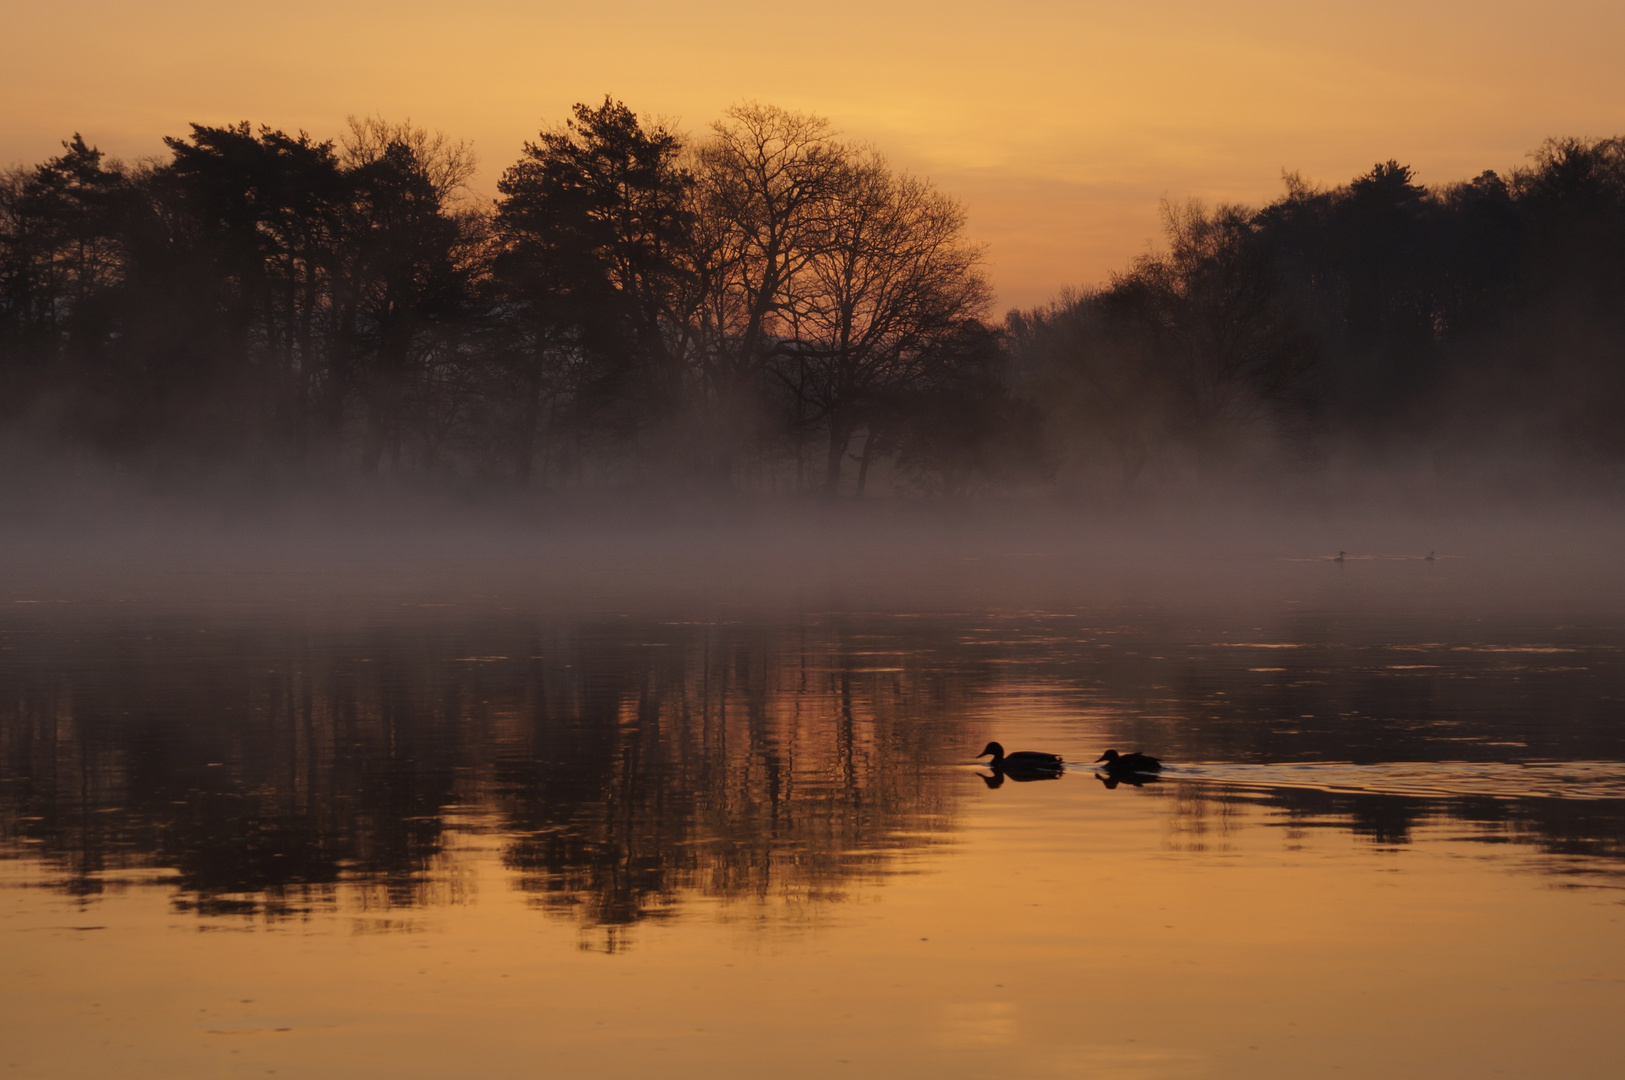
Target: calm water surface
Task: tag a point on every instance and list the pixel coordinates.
(461, 840)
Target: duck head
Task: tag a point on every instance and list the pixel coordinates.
(1108, 756)
(995, 749)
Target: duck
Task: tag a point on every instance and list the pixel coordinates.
(1030, 760)
(1341, 555)
(1429, 558)
(1126, 764)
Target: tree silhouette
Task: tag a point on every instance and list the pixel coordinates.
(765, 181)
(639, 307)
(595, 224)
(890, 277)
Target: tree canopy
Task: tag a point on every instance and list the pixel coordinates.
(768, 306)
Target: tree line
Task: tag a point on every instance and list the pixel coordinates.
(767, 307)
(770, 307)
(1381, 322)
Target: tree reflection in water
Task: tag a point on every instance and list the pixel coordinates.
(627, 767)
(722, 761)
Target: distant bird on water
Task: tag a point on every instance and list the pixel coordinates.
(1341, 555)
(1125, 764)
(1429, 558)
(1028, 760)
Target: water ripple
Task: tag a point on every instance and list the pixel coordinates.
(1497, 780)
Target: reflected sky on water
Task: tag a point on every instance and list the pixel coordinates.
(724, 842)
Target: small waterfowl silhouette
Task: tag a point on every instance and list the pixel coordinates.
(1128, 764)
(1029, 760)
(1341, 555)
(1429, 558)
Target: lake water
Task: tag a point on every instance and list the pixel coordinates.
(456, 836)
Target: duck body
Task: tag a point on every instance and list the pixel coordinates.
(1021, 760)
(1127, 764)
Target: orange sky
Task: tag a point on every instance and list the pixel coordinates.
(1060, 125)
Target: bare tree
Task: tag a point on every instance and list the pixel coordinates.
(766, 181)
(891, 276)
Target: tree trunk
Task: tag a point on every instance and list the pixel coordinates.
(840, 434)
(530, 419)
(863, 462)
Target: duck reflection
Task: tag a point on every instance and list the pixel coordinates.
(1110, 781)
(1019, 773)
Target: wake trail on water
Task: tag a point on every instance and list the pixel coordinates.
(1496, 780)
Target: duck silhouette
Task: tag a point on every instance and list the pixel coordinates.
(1125, 765)
(1021, 760)
(1341, 555)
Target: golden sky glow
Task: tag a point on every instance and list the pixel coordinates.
(1060, 125)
